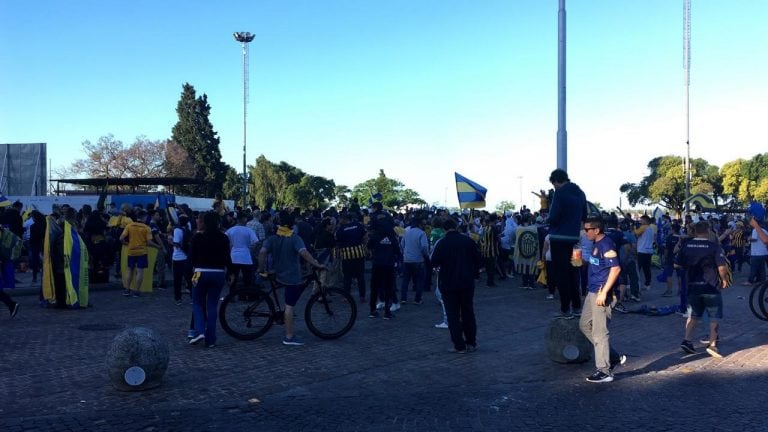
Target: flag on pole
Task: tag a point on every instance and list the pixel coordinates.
(471, 194)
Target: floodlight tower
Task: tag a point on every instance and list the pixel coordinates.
(244, 38)
(562, 133)
(687, 84)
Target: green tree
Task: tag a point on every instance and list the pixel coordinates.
(753, 172)
(731, 174)
(504, 206)
(342, 195)
(281, 185)
(394, 193)
(232, 188)
(195, 134)
(665, 184)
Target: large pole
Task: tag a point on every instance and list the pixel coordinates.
(687, 84)
(562, 134)
(244, 38)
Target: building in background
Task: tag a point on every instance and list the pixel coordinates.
(23, 169)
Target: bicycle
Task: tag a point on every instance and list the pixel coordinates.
(758, 300)
(249, 313)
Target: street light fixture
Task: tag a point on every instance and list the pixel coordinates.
(244, 38)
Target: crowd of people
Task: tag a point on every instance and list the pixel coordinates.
(594, 264)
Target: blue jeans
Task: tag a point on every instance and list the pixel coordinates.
(206, 289)
(415, 271)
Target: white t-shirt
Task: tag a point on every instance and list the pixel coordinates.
(756, 246)
(178, 237)
(241, 239)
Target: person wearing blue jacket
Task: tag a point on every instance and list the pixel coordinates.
(566, 215)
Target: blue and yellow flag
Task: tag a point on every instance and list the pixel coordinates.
(75, 265)
(471, 194)
(4, 201)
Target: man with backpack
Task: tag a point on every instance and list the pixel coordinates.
(182, 240)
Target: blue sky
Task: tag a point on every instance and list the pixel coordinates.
(419, 88)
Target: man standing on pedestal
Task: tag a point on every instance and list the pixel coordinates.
(568, 210)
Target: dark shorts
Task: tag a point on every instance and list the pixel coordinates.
(292, 294)
(712, 303)
(140, 261)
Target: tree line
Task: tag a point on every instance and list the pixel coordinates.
(733, 186)
(193, 151)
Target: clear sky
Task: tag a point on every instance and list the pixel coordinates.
(419, 88)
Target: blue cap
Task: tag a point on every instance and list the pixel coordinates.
(756, 210)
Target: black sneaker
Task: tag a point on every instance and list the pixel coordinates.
(713, 351)
(417, 302)
(618, 362)
(388, 316)
(15, 310)
(373, 314)
(687, 346)
(471, 348)
(600, 377)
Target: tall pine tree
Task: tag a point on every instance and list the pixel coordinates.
(194, 133)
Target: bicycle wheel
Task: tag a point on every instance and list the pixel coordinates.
(247, 314)
(757, 300)
(762, 300)
(330, 313)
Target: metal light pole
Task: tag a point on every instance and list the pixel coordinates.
(687, 80)
(562, 134)
(244, 38)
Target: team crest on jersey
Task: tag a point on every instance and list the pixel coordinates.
(528, 244)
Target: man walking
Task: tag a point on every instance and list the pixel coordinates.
(568, 210)
(604, 272)
(706, 274)
(459, 261)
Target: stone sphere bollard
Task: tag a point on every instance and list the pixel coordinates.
(566, 343)
(137, 359)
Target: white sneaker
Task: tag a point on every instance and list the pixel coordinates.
(550, 297)
(443, 325)
(380, 306)
(394, 307)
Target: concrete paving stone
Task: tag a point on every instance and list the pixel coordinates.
(394, 376)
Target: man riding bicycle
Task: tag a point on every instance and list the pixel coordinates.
(285, 249)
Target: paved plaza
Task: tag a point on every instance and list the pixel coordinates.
(383, 376)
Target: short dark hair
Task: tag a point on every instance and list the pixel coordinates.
(211, 221)
(701, 227)
(559, 176)
(286, 219)
(449, 224)
(596, 222)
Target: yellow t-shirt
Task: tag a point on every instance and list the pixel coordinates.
(138, 235)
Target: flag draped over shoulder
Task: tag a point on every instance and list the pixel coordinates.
(75, 264)
(527, 253)
(75, 267)
(471, 194)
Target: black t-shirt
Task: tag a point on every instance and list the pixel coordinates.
(700, 258)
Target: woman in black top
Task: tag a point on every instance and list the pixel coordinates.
(209, 257)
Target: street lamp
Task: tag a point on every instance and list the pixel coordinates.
(244, 38)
